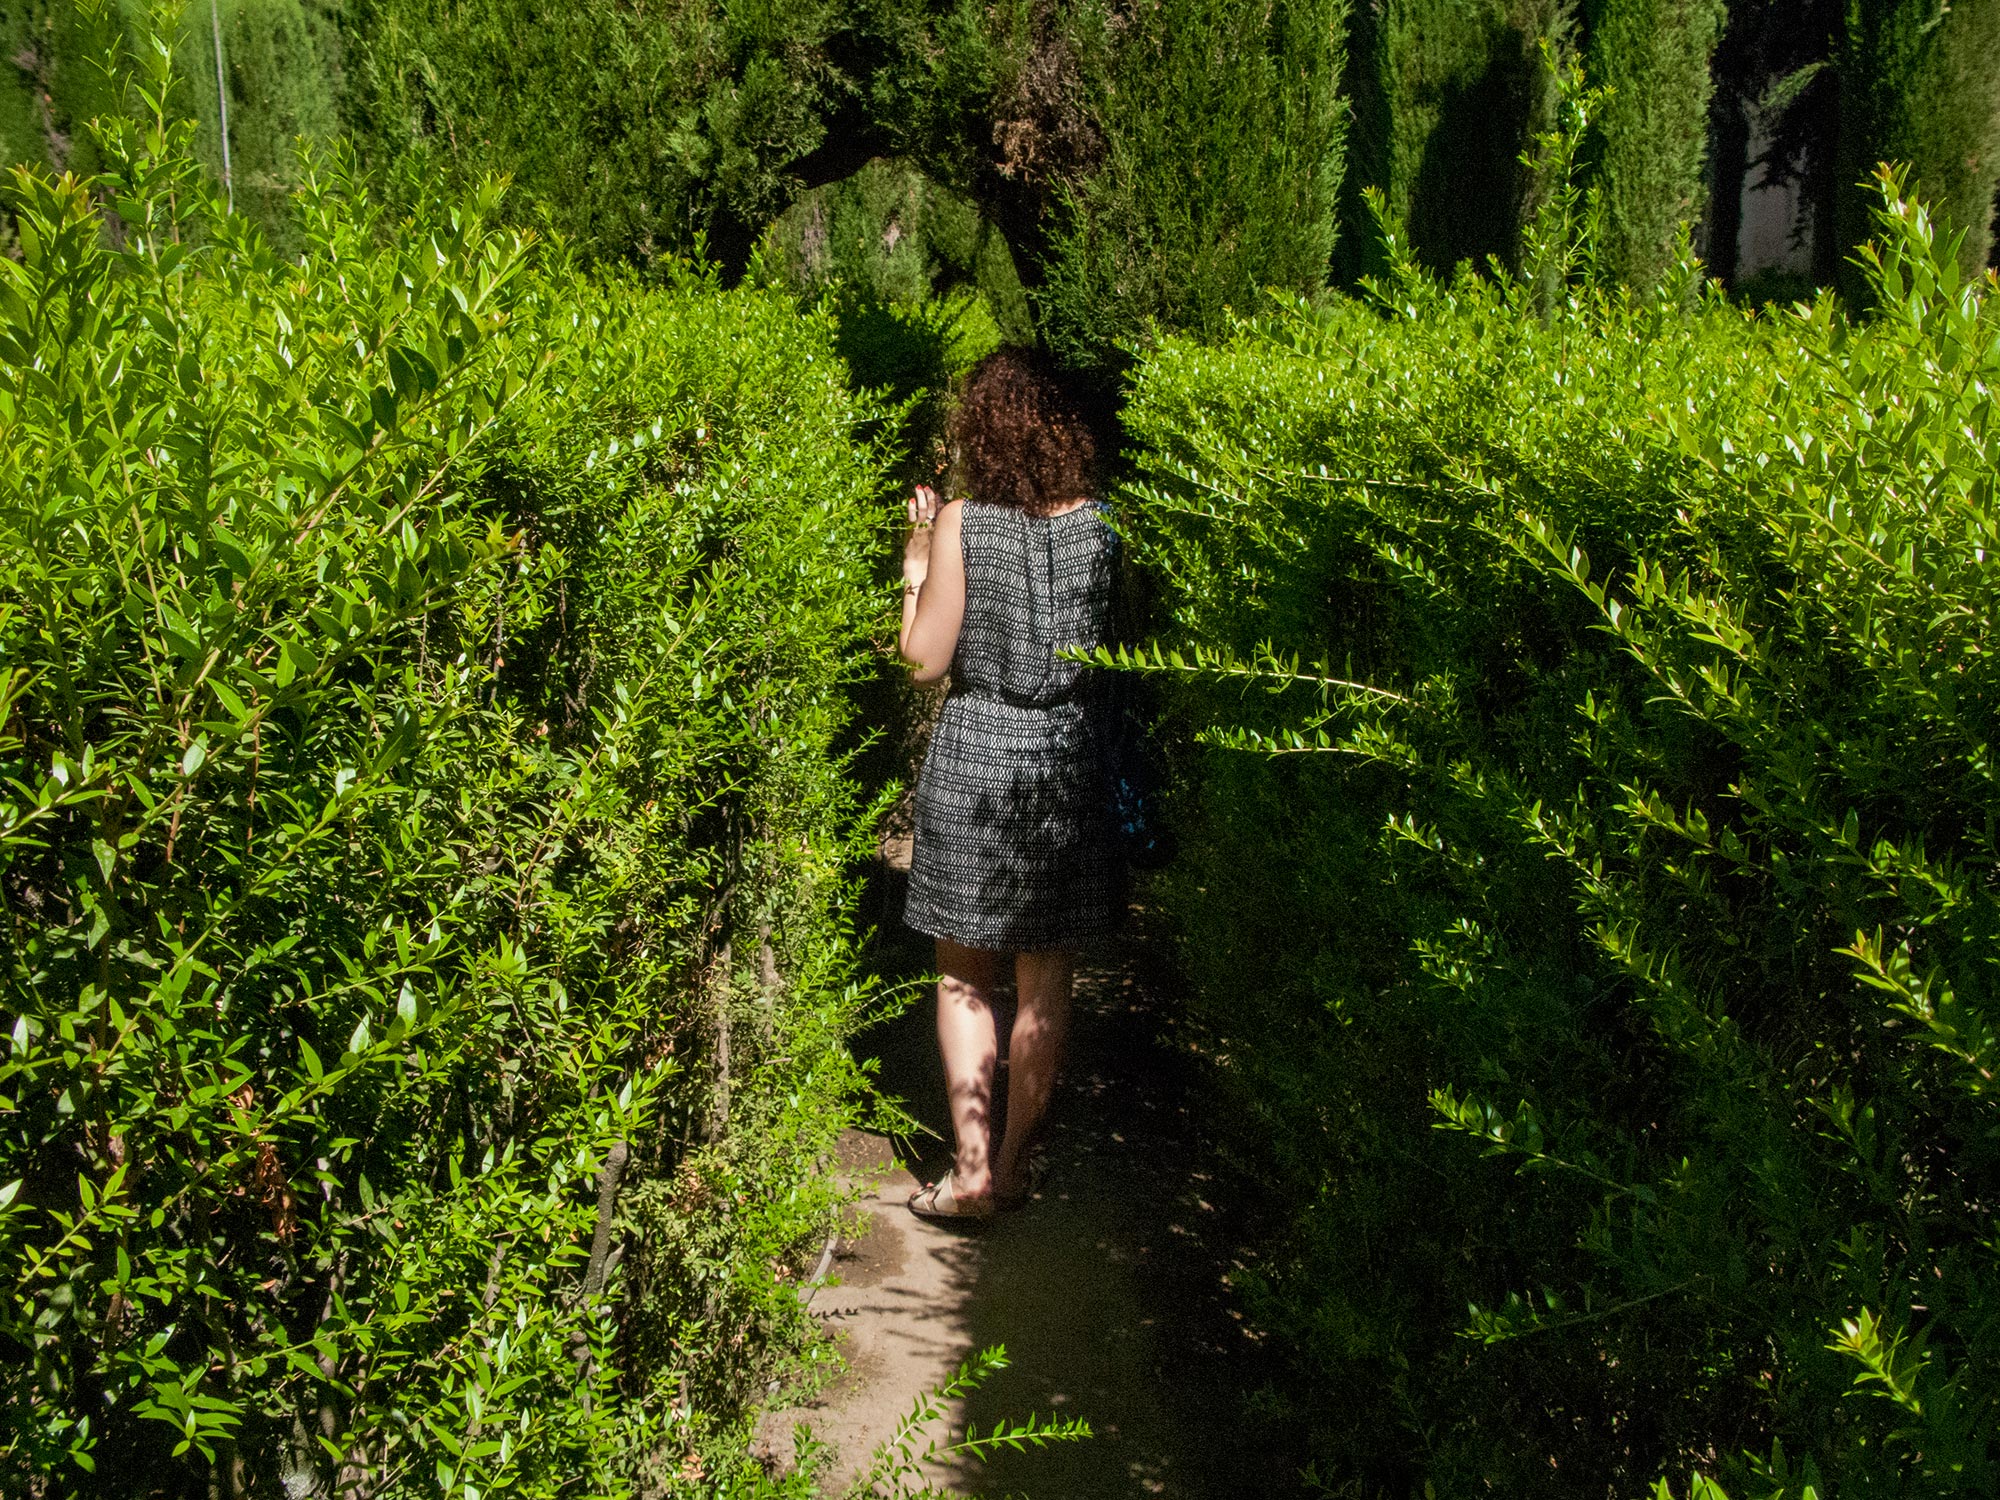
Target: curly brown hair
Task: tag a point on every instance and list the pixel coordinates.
(1020, 436)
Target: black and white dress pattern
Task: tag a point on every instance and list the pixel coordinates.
(1013, 842)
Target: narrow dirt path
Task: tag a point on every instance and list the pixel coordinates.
(1110, 1292)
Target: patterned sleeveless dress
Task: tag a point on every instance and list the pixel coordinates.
(1013, 842)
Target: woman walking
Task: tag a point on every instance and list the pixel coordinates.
(1013, 852)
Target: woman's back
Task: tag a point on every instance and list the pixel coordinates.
(1013, 844)
(1034, 585)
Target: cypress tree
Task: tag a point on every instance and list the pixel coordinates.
(1162, 160)
(1445, 95)
(1652, 128)
(1220, 171)
(1844, 84)
(1920, 84)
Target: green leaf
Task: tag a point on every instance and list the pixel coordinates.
(227, 697)
(231, 551)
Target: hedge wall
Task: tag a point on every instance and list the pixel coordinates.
(281, 71)
(1589, 878)
(1446, 96)
(1652, 58)
(1159, 164)
(422, 847)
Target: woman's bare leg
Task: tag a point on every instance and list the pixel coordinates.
(1034, 1052)
(966, 1037)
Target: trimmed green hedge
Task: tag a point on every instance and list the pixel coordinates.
(422, 673)
(1601, 938)
(281, 68)
(1446, 96)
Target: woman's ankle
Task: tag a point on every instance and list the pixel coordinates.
(971, 1183)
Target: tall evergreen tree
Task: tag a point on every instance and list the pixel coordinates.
(1920, 84)
(1445, 96)
(1652, 57)
(1220, 172)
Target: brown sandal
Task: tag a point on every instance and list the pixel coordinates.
(940, 1203)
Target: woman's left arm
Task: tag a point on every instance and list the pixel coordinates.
(933, 586)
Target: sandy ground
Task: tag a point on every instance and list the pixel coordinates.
(1109, 1292)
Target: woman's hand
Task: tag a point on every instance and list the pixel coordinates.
(923, 508)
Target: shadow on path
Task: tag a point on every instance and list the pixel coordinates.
(1109, 1292)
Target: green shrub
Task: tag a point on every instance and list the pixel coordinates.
(421, 684)
(1222, 131)
(55, 80)
(1651, 57)
(1446, 96)
(281, 69)
(891, 235)
(1603, 938)
(640, 131)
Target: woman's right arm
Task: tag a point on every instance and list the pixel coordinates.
(933, 589)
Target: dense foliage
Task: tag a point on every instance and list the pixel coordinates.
(640, 130)
(279, 77)
(1601, 936)
(889, 234)
(422, 835)
(1222, 127)
(423, 798)
(1445, 94)
(643, 130)
(1071, 127)
(1651, 58)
